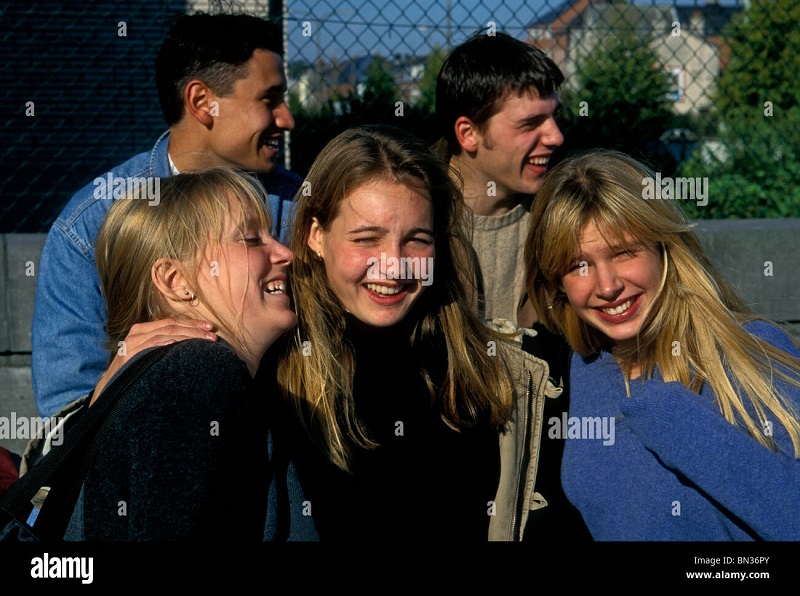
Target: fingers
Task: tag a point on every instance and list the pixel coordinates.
(152, 334)
(178, 327)
(164, 331)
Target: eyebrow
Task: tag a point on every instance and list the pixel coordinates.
(536, 119)
(382, 230)
(250, 224)
(274, 90)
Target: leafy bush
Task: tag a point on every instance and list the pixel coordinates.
(754, 170)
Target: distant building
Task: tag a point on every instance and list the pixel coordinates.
(687, 40)
(315, 84)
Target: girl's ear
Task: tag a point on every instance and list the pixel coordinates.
(169, 278)
(316, 237)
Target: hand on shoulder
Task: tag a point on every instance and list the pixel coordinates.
(152, 334)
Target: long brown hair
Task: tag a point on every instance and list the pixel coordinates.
(320, 380)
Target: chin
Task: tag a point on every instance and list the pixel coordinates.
(380, 320)
(533, 188)
(261, 168)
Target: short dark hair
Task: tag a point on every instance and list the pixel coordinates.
(213, 48)
(484, 70)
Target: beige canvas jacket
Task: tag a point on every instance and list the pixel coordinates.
(520, 443)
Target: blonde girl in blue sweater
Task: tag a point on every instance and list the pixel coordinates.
(701, 394)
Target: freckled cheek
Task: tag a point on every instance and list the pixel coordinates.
(653, 275)
(348, 269)
(578, 291)
(259, 262)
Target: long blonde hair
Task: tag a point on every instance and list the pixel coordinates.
(696, 306)
(193, 210)
(319, 381)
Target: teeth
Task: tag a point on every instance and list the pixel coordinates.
(387, 290)
(274, 143)
(275, 287)
(539, 161)
(618, 309)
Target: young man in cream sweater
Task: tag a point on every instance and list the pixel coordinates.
(496, 98)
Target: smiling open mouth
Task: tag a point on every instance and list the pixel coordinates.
(271, 142)
(539, 161)
(274, 287)
(618, 310)
(385, 290)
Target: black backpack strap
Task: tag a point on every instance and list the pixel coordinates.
(64, 467)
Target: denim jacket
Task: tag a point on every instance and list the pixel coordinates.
(68, 330)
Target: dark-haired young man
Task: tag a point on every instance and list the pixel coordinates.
(221, 86)
(496, 99)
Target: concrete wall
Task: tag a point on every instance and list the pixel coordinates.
(19, 265)
(761, 257)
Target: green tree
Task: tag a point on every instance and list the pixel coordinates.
(427, 86)
(375, 105)
(765, 61)
(380, 86)
(622, 96)
(754, 170)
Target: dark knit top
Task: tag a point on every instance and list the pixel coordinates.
(425, 481)
(187, 458)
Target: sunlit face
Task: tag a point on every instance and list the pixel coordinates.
(244, 280)
(378, 251)
(249, 123)
(516, 143)
(611, 287)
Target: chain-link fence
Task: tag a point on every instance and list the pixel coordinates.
(350, 63)
(77, 78)
(78, 95)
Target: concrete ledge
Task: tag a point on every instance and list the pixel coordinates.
(16, 400)
(760, 257)
(19, 268)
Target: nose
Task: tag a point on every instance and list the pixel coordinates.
(608, 283)
(391, 258)
(283, 117)
(281, 254)
(551, 135)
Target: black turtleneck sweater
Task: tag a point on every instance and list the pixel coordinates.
(425, 481)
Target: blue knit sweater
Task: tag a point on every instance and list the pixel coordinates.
(673, 468)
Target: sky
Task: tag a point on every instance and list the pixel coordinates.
(357, 27)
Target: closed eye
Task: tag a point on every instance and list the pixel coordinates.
(274, 98)
(423, 241)
(628, 252)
